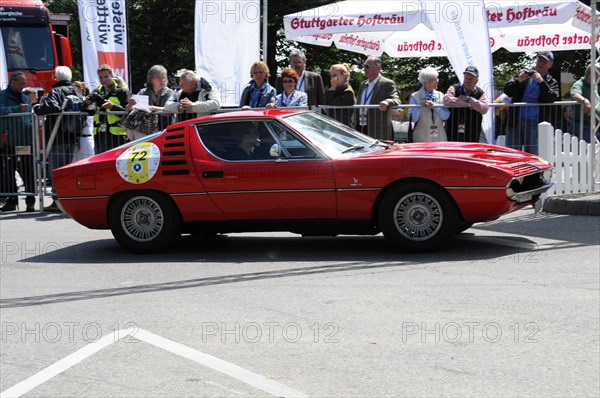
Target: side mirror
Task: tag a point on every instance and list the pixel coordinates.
(275, 151)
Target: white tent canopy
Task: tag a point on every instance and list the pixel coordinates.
(403, 28)
(463, 31)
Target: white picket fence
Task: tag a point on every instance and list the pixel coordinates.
(571, 160)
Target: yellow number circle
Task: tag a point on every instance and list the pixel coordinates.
(139, 163)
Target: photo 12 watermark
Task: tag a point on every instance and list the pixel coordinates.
(269, 332)
(64, 332)
(469, 332)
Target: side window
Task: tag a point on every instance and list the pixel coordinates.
(215, 137)
(248, 140)
(295, 148)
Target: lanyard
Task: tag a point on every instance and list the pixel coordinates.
(367, 95)
(300, 85)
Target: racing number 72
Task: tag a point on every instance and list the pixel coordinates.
(143, 154)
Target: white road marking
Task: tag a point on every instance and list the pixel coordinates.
(67, 362)
(237, 372)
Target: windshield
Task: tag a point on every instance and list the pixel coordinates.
(332, 137)
(28, 48)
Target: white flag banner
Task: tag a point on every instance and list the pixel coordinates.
(103, 38)
(466, 41)
(227, 43)
(3, 69)
(583, 18)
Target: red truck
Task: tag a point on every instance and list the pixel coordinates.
(30, 43)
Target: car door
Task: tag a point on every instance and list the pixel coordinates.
(298, 184)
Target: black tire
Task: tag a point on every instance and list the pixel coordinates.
(144, 221)
(417, 216)
(463, 227)
(203, 234)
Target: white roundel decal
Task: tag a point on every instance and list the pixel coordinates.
(139, 163)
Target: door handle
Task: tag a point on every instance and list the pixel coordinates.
(212, 174)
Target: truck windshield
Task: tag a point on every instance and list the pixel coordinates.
(28, 48)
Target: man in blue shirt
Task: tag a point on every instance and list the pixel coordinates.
(531, 86)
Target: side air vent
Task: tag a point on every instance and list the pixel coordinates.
(172, 129)
(179, 162)
(175, 152)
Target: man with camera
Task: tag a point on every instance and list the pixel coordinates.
(535, 86)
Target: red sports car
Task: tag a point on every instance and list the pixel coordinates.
(297, 171)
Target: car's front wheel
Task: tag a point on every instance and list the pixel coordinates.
(417, 216)
(144, 222)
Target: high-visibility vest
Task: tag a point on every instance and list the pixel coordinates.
(112, 120)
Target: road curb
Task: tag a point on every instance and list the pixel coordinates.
(575, 204)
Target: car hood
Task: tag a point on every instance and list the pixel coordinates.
(481, 153)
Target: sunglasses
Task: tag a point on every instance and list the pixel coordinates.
(289, 81)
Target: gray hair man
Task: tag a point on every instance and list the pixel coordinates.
(380, 91)
(195, 98)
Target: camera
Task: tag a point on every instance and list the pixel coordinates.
(529, 72)
(95, 98)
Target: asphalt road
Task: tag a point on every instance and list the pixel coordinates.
(510, 308)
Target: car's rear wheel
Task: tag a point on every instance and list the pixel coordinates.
(417, 216)
(145, 222)
(463, 227)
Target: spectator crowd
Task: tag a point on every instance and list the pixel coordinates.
(109, 116)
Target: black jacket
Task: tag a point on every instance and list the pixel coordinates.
(549, 92)
(53, 102)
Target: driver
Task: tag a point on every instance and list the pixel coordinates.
(247, 141)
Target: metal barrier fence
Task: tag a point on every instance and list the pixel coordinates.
(394, 124)
(32, 146)
(18, 154)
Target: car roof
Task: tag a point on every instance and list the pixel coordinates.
(250, 113)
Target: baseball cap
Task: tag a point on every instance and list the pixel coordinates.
(547, 55)
(472, 70)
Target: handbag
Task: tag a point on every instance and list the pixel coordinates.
(139, 123)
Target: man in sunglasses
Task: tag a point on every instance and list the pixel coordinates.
(380, 91)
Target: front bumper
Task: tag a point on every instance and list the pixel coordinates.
(530, 186)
